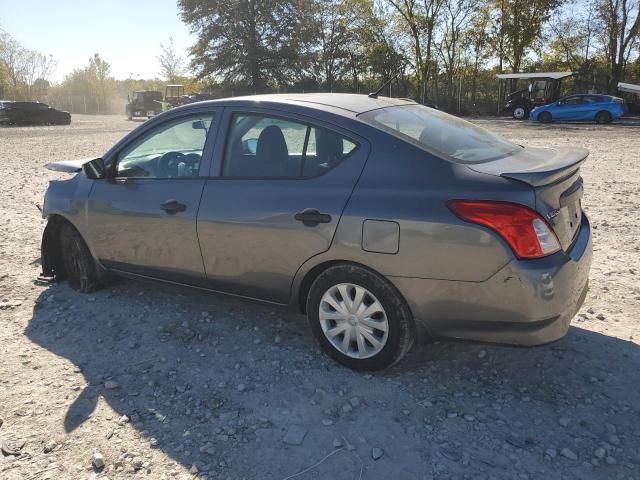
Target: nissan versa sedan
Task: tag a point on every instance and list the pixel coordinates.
(378, 218)
(580, 108)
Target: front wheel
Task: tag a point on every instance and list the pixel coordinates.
(359, 318)
(79, 267)
(545, 117)
(603, 117)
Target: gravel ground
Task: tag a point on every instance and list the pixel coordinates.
(143, 381)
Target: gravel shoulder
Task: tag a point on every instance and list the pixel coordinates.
(143, 381)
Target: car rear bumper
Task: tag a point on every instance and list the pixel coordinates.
(527, 302)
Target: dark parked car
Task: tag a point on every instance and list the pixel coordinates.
(377, 217)
(31, 113)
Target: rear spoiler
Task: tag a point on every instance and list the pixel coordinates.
(536, 166)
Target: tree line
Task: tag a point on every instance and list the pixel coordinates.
(445, 52)
(440, 50)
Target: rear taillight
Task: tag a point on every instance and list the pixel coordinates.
(526, 232)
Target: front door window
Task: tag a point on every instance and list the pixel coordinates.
(173, 150)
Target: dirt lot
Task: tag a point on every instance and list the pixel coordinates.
(162, 383)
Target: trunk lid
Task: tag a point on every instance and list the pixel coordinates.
(554, 175)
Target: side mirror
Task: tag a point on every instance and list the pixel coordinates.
(198, 125)
(95, 169)
(250, 146)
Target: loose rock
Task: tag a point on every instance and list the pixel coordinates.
(50, 446)
(566, 453)
(97, 460)
(600, 453)
(110, 385)
(377, 453)
(295, 435)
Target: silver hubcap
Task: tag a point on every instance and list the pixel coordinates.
(353, 320)
(518, 113)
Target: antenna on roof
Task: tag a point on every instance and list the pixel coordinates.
(386, 84)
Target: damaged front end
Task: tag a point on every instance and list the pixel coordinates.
(50, 252)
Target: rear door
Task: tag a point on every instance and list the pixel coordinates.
(594, 104)
(281, 186)
(143, 218)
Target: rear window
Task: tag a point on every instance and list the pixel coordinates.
(441, 133)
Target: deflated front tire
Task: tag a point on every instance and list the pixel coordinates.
(80, 269)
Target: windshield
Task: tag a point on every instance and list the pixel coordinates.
(440, 133)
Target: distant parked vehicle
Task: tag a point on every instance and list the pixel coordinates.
(581, 108)
(31, 113)
(145, 103)
(631, 96)
(543, 88)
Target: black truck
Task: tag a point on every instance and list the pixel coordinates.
(146, 103)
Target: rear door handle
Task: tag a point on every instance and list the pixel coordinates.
(172, 206)
(311, 217)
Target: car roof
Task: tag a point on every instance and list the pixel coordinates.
(28, 104)
(553, 75)
(347, 102)
(588, 95)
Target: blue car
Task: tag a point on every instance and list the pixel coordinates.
(580, 108)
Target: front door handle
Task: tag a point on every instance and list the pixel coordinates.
(311, 217)
(172, 206)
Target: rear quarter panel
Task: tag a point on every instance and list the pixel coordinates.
(404, 184)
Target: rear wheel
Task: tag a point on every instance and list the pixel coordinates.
(603, 117)
(545, 117)
(359, 318)
(80, 268)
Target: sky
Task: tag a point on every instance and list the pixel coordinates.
(126, 33)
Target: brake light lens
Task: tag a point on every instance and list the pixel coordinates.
(524, 229)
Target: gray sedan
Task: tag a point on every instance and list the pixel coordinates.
(379, 218)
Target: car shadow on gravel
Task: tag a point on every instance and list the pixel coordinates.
(218, 384)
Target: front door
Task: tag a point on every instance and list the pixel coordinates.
(143, 218)
(283, 186)
(569, 109)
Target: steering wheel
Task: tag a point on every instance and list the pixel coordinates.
(167, 164)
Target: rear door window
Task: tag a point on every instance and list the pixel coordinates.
(575, 100)
(261, 146)
(595, 99)
(440, 133)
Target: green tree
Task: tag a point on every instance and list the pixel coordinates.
(171, 63)
(619, 22)
(259, 42)
(98, 71)
(517, 26)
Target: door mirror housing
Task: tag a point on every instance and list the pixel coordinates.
(95, 169)
(250, 146)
